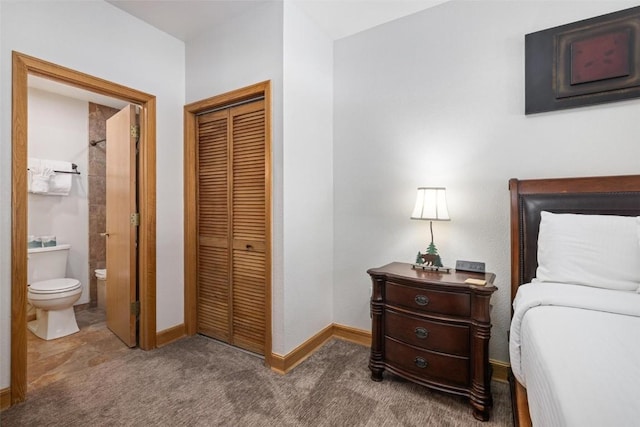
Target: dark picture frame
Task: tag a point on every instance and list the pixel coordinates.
(588, 62)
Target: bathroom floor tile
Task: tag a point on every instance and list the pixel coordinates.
(94, 344)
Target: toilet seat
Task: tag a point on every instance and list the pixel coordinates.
(54, 286)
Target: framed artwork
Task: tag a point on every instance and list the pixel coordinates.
(587, 62)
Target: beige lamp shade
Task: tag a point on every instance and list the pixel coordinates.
(431, 204)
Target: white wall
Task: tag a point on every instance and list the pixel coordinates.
(437, 98)
(308, 183)
(81, 36)
(59, 130)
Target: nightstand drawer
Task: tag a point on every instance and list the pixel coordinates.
(442, 337)
(428, 365)
(450, 303)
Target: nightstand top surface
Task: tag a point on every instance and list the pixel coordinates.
(404, 270)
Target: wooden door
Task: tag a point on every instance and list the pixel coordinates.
(121, 230)
(248, 226)
(214, 277)
(232, 216)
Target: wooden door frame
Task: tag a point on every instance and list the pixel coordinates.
(190, 201)
(23, 66)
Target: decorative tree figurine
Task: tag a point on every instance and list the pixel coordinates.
(432, 250)
(419, 259)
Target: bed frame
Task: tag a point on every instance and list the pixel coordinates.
(609, 195)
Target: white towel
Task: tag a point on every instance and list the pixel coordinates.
(38, 176)
(43, 180)
(59, 183)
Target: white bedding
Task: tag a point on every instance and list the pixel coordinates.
(577, 351)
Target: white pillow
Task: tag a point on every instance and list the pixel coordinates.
(593, 250)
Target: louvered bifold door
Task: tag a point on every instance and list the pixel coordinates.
(213, 212)
(232, 225)
(248, 226)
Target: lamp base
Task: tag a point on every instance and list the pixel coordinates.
(430, 267)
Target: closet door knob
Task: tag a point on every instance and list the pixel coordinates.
(104, 234)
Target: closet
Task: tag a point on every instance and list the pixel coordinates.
(232, 200)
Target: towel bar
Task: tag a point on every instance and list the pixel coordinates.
(74, 171)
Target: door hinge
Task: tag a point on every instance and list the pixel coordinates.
(135, 219)
(135, 308)
(135, 131)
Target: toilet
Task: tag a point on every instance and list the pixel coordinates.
(51, 293)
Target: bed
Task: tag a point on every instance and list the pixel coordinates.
(574, 340)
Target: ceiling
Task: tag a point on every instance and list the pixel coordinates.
(185, 19)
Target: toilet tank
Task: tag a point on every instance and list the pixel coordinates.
(47, 263)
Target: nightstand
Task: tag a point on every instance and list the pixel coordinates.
(433, 329)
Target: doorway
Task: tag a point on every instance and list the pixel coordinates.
(23, 66)
(64, 123)
(229, 254)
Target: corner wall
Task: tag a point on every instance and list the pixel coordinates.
(278, 42)
(437, 99)
(248, 50)
(308, 177)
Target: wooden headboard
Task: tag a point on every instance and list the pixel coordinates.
(602, 195)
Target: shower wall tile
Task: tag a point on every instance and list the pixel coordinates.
(97, 250)
(93, 288)
(97, 190)
(98, 115)
(97, 161)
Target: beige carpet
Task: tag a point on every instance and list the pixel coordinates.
(199, 382)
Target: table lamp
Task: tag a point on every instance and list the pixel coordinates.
(431, 204)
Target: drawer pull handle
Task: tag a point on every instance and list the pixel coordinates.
(421, 300)
(421, 333)
(420, 362)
